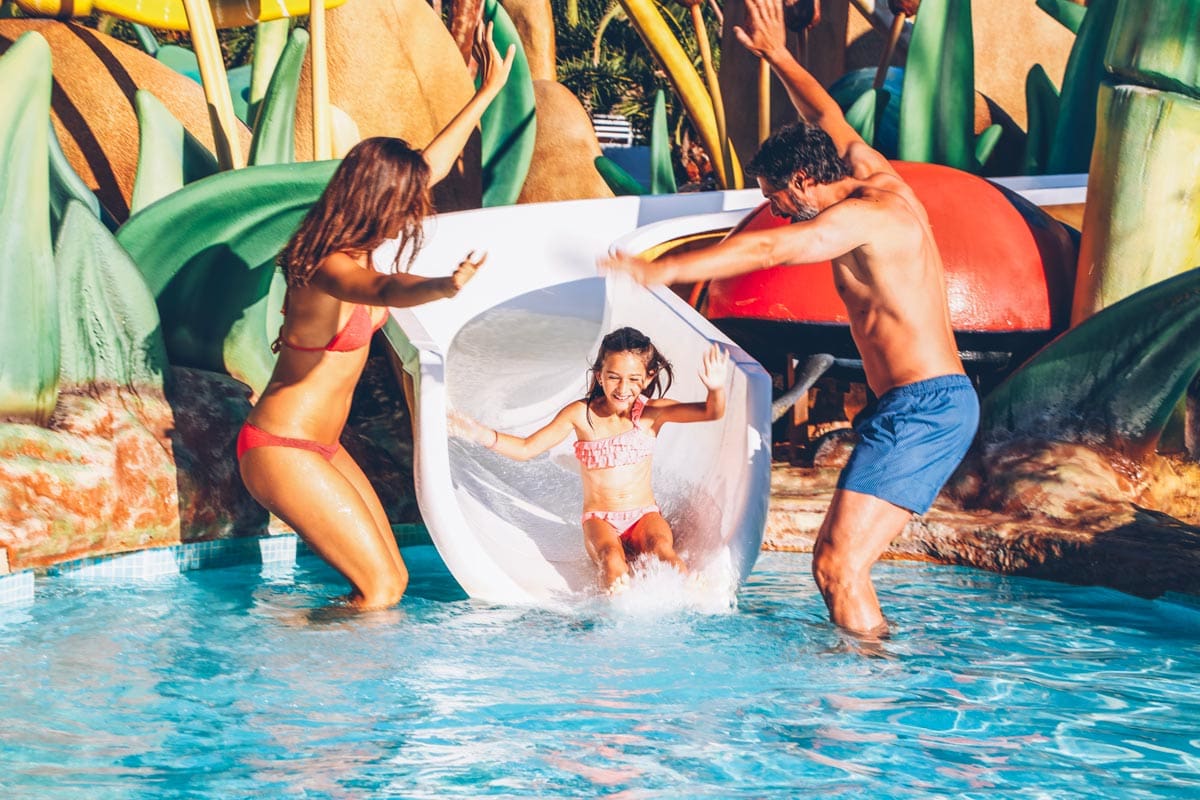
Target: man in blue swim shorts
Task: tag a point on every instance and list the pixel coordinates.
(849, 206)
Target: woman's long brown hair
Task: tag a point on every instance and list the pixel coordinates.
(378, 192)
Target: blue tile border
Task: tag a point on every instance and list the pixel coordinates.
(278, 549)
(16, 588)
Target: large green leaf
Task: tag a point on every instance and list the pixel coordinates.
(937, 104)
(28, 301)
(270, 38)
(662, 172)
(169, 157)
(1114, 379)
(110, 327)
(509, 125)
(1076, 128)
(274, 139)
(65, 184)
(1041, 108)
(208, 254)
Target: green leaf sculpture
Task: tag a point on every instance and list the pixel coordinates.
(866, 113)
(620, 181)
(274, 139)
(1041, 108)
(28, 302)
(65, 184)
(208, 255)
(270, 39)
(169, 157)
(109, 322)
(1114, 378)
(662, 173)
(509, 125)
(1076, 128)
(937, 104)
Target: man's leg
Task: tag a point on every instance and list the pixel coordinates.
(857, 529)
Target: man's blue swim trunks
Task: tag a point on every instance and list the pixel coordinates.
(912, 440)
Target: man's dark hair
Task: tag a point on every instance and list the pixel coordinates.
(798, 148)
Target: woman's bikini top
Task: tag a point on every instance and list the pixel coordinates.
(631, 447)
(354, 334)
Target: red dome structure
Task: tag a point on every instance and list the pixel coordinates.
(1009, 277)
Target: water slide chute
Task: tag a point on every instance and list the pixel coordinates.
(514, 347)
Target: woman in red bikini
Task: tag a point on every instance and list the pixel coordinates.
(616, 426)
(288, 449)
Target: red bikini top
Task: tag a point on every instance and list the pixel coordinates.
(629, 447)
(356, 333)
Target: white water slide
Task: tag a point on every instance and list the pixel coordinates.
(515, 346)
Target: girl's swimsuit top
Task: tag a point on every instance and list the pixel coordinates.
(356, 333)
(631, 447)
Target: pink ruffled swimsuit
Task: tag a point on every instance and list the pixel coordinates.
(631, 447)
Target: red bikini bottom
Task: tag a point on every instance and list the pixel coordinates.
(250, 437)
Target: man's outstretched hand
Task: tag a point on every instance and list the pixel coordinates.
(618, 262)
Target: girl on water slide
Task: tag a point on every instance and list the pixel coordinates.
(616, 426)
(288, 449)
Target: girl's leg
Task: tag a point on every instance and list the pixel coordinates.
(312, 496)
(651, 534)
(604, 546)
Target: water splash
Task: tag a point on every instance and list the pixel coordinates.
(657, 589)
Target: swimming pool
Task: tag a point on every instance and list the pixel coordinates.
(235, 682)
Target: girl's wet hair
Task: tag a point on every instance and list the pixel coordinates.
(378, 192)
(631, 340)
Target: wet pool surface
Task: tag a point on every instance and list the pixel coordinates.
(236, 682)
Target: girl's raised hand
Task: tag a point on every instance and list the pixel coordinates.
(714, 368)
(493, 70)
(460, 426)
(466, 270)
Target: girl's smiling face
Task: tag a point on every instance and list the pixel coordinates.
(622, 378)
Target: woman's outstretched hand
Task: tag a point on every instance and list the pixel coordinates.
(493, 70)
(714, 368)
(465, 271)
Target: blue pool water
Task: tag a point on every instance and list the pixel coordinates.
(235, 683)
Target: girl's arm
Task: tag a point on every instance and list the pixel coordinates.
(443, 151)
(714, 372)
(508, 445)
(343, 277)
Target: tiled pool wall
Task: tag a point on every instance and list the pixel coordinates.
(278, 549)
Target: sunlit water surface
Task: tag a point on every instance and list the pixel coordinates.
(236, 683)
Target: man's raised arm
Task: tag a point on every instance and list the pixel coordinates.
(764, 35)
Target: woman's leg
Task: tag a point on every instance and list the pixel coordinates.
(313, 496)
(604, 545)
(651, 534)
(353, 473)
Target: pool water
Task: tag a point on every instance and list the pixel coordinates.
(237, 682)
